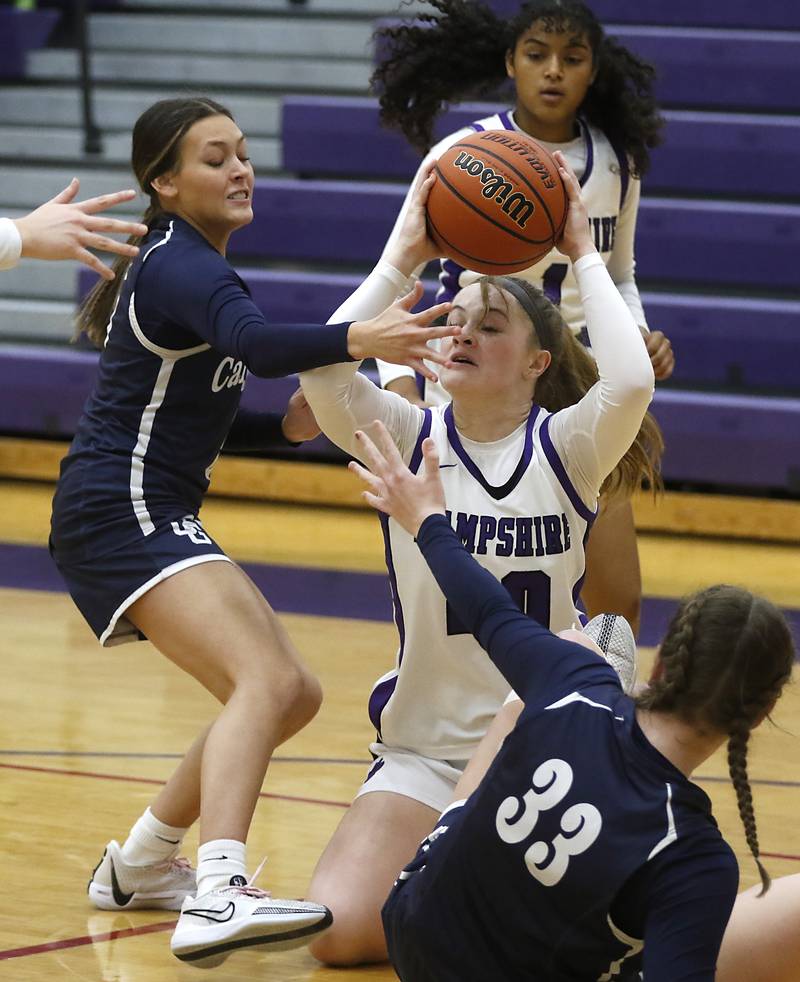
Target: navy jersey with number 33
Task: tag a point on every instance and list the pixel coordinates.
(584, 854)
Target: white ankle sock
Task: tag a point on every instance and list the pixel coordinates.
(151, 841)
(217, 862)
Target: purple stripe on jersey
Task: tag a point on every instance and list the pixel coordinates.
(576, 590)
(424, 433)
(559, 470)
(398, 609)
(624, 174)
(449, 273)
(469, 463)
(420, 379)
(379, 696)
(587, 139)
(478, 127)
(505, 119)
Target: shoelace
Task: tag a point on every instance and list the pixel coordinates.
(249, 890)
(176, 864)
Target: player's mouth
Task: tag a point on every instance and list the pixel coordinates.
(551, 96)
(462, 360)
(242, 194)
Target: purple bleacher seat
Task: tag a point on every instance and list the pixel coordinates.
(730, 342)
(693, 242)
(765, 15)
(715, 439)
(22, 31)
(326, 136)
(709, 67)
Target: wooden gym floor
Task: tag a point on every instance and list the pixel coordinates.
(87, 735)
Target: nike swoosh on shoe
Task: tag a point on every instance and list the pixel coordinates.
(120, 898)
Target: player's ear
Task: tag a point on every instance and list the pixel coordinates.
(538, 363)
(164, 186)
(510, 71)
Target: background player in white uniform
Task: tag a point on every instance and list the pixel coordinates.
(522, 486)
(63, 228)
(179, 333)
(586, 852)
(576, 91)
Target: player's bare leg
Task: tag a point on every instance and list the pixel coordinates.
(376, 838)
(613, 583)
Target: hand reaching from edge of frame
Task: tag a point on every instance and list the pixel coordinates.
(63, 228)
(393, 489)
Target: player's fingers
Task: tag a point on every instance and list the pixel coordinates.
(412, 298)
(68, 194)
(366, 476)
(104, 201)
(387, 446)
(567, 176)
(103, 224)
(86, 257)
(430, 314)
(430, 457)
(370, 453)
(92, 241)
(377, 503)
(419, 366)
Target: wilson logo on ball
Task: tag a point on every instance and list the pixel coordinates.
(498, 204)
(515, 205)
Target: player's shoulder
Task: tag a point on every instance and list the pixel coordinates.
(178, 254)
(493, 122)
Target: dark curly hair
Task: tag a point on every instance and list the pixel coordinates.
(459, 52)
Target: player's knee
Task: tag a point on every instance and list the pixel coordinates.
(346, 943)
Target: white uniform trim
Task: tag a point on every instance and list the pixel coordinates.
(117, 634)
(142, 443)
(672, 833)
(169, 357)
(10, 244)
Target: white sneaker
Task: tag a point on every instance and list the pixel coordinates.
(117, 886)
(613, 635)
(212, 926)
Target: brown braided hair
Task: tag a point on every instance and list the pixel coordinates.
(725, 659)
(157, 138)
(570, 375)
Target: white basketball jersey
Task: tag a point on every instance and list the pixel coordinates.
(516, 511)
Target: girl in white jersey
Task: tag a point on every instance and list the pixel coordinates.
(576, 91)
(521, 486)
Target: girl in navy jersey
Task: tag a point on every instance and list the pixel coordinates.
(586, 852)
(179, 334)
(531, 436)
(577, 91)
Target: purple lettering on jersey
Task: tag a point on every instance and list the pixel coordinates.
(552, 534)
(524, 537)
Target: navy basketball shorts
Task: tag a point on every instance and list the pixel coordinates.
(104, 588)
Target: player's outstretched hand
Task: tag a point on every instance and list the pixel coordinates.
(412, 246)
(393, 489)
(63, 228)
(299, 424)
(400, 336)
(576, 239)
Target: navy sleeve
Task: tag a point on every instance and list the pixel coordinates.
(532, 659)
(257, 431)
(688, 908)
(198, 289)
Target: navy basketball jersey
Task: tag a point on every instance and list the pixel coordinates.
(520, 881)
(179, 344)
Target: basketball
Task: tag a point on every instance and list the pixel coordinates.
(498, 204)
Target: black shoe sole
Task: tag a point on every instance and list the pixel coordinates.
(267, 940)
